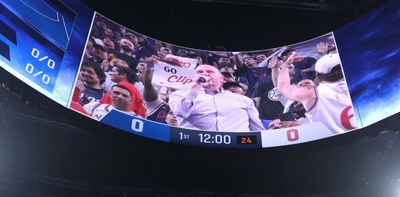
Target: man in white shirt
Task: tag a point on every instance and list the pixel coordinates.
(329, 102)
(206, 106)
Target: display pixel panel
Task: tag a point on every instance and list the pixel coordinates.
(54, 19)
(165, 84)
(369, 48)
(239, 99)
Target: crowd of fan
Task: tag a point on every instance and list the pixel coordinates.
(118, 66)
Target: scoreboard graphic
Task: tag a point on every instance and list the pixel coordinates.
(52, 18)
(43, 42)
(36, 40)
(28, 52)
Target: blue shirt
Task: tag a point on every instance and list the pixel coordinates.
(90, 94)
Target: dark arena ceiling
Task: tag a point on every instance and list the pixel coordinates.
(233, 24)
(48, 151)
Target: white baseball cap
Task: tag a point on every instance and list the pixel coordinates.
(325, 64)
(98, 41)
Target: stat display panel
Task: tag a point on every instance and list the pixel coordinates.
(47, 43)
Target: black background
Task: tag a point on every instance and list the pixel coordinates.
(238, 25)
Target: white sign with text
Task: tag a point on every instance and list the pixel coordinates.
(171, 76)
(184, 62)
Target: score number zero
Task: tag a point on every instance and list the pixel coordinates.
(30, 68)
(292, 135)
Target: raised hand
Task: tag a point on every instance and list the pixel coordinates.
(150, 61)
(273, 62)
(105, 65)
(289, 61)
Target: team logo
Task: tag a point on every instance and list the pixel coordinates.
(273, 95)
(347, 118)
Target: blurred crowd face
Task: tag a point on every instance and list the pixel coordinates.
(89, 76)
(99, 53)
(225, 65)
(99, 23)
(261, 57)
(211, 74)
(158, 45)
(275, 124)
(165, 51)
(89, 45)
(133, 38)
(109, 33)
(115, 76)
(121, 98)
(237, 90)
(306, 83)
(141, 67)
(250, 61)
(182, 52)
(291, 69)
(227, 69)
(228, 76)
(165, 96)
(109, 43)
(170, 91)
(278, 124)
(171, 119)
(104, 26)
(223, 61)
(119, 62)
(126, 45)
(123, 31)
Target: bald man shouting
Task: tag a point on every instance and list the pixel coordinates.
(206, 106)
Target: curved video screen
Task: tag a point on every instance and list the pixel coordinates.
(333, 84)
